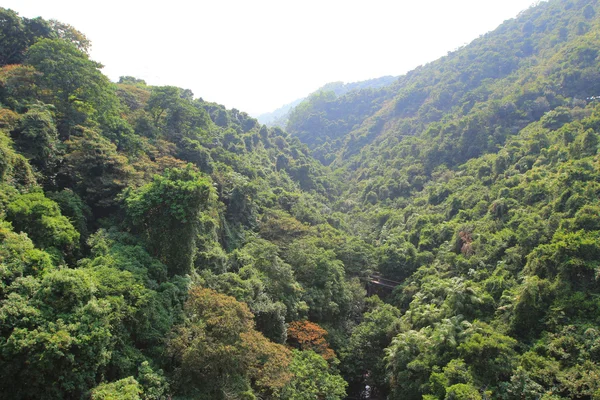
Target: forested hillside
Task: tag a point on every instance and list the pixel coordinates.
(281, 116)
(155, 245)
(476, 179)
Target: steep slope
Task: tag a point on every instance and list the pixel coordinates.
(281, 116)
(467, 91)
(156, 245)
(498, 263)
(476, 179)
(486, 92)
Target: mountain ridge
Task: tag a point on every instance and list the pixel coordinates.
(280, 116)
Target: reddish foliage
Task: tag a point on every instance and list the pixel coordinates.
(307, 335)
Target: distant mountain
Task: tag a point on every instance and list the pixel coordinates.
(280, 116)
(483, 93)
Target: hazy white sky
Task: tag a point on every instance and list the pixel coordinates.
(256, 55)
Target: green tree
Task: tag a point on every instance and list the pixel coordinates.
(36, 138)
(124, 389)
(13, 37)
(17, 34)
(74, 84)
(365, 351)
(218, 352)
(43, 222)
(19, 257)
(55, 340)
(95, 170)
(14, 168)
(167, 213)
(322, 277)
(313, 378)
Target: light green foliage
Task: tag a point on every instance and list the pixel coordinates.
(454, 373)
(562, 363)
(489, 353)
(462, 391)
(312, 378)
(19, 257)
(155, 385)
(152, 303)
(123, 251)
(416, 357)
(65, 326)
(65, 343)
(277, 276)
(40, 217)
(124, 389)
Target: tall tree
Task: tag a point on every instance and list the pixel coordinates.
(167, 213)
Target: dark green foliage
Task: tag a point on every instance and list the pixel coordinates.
(95, 170)
(168, 209)
(13, 36)
(37, 139)
(72, 207)
(17, 34)
(174, 113)
(365, 351)
(322, 276)
(14, 168)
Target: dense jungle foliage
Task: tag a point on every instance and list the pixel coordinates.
(155, 245)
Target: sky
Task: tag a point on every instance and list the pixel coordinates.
(256, 55)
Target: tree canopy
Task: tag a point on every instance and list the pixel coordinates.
(431, 236)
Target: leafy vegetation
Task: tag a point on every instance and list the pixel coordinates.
(435, 238)
(281, 116)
